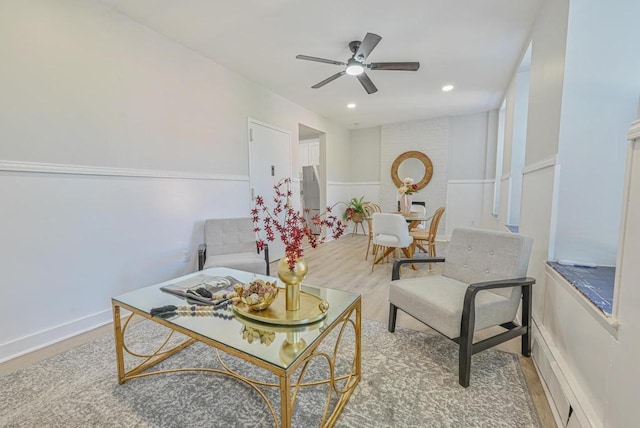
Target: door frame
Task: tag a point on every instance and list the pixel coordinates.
(250, 123)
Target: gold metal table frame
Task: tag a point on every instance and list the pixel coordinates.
(291, 375)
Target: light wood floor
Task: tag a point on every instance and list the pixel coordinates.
(341, 264)
(338, 264)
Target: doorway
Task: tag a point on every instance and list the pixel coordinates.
(311, 173)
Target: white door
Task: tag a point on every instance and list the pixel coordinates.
(269, 162)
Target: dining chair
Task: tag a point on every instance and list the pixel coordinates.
(391, 233)
(420, 209)
(425, 239)
(369, 209)
(482, 283)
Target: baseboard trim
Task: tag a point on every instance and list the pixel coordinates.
(42, 339)
(559, 368)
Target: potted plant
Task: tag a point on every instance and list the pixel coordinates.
(354, 211)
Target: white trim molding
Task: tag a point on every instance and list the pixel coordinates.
(505, 177)
(634, 131)
(50, 168)
(484, 181)
(353, 183)
(541, 164)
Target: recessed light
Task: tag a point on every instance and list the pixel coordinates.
(351, 105)
(447, 88)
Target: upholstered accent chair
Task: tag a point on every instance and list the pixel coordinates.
(482, 283)
(231, 242)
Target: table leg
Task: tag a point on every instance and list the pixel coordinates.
(119, 338)
(285, 402)
(358, 340)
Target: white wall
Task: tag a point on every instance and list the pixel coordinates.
(518, 145)
(430, 136)
(471, 170)
(599, 101)
(462, 149)
(115, 145)
(364, 155)
(623, 374)
(584, 357)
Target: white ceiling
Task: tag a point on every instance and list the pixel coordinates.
(473, 44)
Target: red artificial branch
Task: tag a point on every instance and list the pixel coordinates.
(290, 224)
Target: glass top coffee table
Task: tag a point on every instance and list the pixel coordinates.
(283, 350)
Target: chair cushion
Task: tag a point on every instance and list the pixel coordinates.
(390, 230)
(229, 235)
(475, 255)
(249, 262)
(387, 241)
(437, 301)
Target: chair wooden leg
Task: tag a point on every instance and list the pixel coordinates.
(375, 253)
(387, 251)
(467, 327)
(393, 312)
(526, 320)
(432, 251)
(464, 366)
(366, 255)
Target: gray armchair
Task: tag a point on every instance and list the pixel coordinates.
(231, 242)
(482, 283)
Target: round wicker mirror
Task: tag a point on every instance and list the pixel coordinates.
(412, 164)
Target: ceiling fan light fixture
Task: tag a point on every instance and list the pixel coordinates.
(354, 68)
(356, 65)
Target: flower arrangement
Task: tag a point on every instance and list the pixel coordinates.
(290, 224)
(408, 187)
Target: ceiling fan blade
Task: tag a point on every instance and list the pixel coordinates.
(403, 66)
(316, 59)
(367, 84)
(328, 80)
(368, 43)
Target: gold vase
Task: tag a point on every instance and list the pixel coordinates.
(292, 280)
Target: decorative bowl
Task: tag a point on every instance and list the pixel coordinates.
(258, 294)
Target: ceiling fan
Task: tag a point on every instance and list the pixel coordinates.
(356, 64)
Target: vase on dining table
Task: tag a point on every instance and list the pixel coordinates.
(405, 204)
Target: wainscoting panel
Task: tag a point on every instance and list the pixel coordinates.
(343, 192)
(74, 236)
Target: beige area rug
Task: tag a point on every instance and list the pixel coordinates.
(409, 380)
